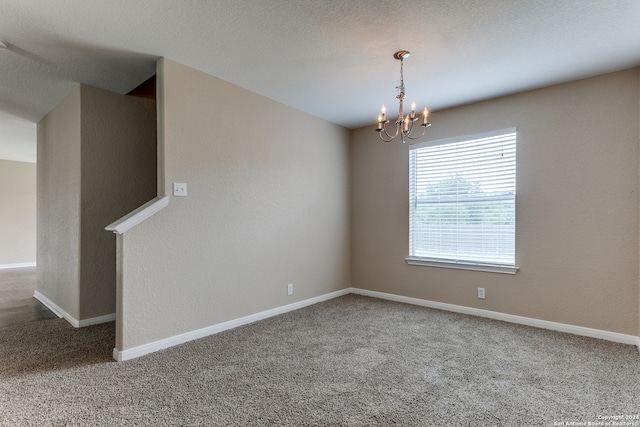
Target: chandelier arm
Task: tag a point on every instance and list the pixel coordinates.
(424, 130)
(385, 139)
(424, 127)
(386, 134)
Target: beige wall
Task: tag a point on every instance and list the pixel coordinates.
(17, 212)
(577, 207)
(96, 162)
(268, 205)
(118, 175)
(58, 211)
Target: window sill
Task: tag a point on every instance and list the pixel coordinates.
(491, 268)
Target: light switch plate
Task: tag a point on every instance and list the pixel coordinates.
(180, 189)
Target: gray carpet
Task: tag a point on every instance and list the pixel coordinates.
(351, 361)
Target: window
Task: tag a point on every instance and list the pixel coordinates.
(462, 195)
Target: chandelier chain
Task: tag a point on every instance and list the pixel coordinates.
(401, 87)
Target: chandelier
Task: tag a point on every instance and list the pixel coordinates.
(404, 124)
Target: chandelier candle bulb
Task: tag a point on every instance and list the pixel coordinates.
(413, 109)
(425, 113)
(383, 112)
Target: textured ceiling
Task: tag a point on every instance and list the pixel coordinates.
(332, 59)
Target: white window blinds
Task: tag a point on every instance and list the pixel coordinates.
(462, 194)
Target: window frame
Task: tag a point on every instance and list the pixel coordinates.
(459, 264)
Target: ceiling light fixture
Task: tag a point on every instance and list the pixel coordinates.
(404, 124)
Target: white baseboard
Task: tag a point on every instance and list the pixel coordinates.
(18, 265)
(132, 353)
(97, 320)
(69, 318)
(544, 324)
(52, 306)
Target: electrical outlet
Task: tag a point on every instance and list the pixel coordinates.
(290, 289)
(180, 189)
(481, 293)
